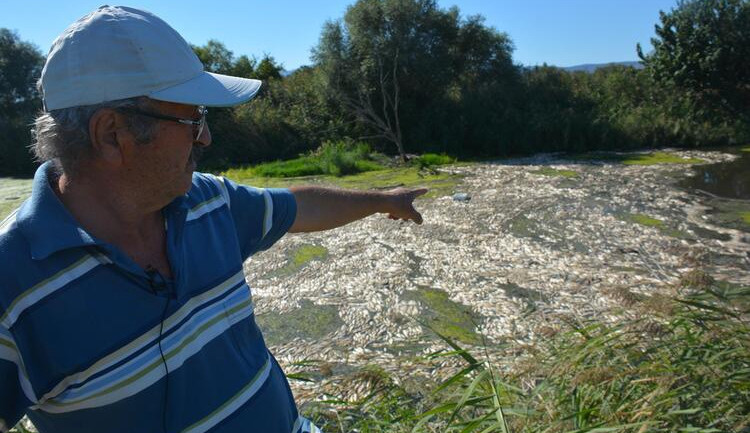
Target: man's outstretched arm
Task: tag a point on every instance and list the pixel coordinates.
(321, 208)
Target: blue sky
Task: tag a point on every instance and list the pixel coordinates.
(558, 32)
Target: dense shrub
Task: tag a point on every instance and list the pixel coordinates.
(344, 157)
(20, 65)
(432, 159)
(303, 166)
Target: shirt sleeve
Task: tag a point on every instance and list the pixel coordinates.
(13, 401)
(261, 215)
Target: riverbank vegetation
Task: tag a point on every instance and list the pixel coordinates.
(406, 76)
(671, 363)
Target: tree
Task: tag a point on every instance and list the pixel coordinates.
(703, 47)
(20, 67)
(215, 56)
(243, 67)
(401, 67)
(268, 68)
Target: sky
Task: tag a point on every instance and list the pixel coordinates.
(556, 32)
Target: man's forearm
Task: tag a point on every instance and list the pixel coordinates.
(320, 208)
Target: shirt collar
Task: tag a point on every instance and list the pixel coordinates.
(47, 224)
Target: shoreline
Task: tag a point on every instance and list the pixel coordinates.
(530, 250)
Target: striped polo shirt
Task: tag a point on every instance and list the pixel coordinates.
(91, 342)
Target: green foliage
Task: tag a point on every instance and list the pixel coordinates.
(303, 166)
(614, 108)
(703, 47)
(215, 56)
(408, 72)
(428, 160)
(409, 75)
(340, 158)
(244, 67)
(333, 158)
(638, 158)
(655, 158)
(290, 117)
(387, 409)
(241, 135)
(268, 69)
(439, 184)
(20, 66)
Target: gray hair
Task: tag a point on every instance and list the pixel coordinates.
(62, 135)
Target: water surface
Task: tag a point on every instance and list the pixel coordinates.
(725, 179)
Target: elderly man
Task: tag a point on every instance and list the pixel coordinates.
(123, 306)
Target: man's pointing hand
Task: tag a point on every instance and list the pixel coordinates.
(402, 204)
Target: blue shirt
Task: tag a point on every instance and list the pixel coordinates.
(91, 342)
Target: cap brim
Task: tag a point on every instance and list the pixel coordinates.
(211, 90)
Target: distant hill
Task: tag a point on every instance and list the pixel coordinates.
(591, 67)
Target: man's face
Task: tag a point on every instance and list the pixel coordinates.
(164, 167)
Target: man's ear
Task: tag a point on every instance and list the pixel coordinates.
(106, 132)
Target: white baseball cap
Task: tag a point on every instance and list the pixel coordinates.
(117, 52)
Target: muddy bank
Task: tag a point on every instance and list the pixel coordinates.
(542, 240)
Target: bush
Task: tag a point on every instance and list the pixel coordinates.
(340, 158)
(432, 159)
(303, 166)
(335, 158)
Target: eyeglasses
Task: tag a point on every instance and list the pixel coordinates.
(198, 125)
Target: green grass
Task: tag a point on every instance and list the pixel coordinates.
(308, 253)
(745, 217)
(651, 158)
(446, 317)
(434, 159)
(298, 259)
(304, 166)
(663, 227)
(439, 183)
(337, 159)
(645, 220)
(659, 158)
(309, 321)
(549, 171)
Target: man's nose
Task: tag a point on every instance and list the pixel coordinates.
(204, 140)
